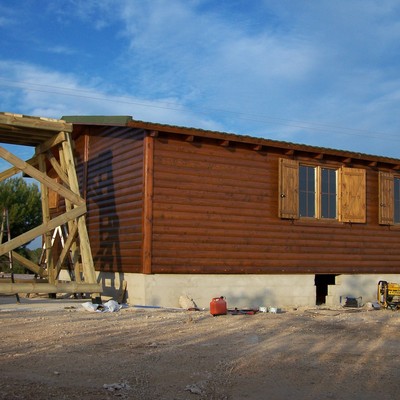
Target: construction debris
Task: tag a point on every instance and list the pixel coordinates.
(187, 303)
(113, 387)
(109, 306)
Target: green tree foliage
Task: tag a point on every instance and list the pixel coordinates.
(23, 202)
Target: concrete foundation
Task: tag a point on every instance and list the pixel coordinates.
(242, 291)
(355, 286)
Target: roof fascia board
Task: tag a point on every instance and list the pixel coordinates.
(265, 143)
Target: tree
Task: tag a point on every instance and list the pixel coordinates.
(23, 202)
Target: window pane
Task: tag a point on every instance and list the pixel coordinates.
(397, 200)
(328, 193)
(307, 191)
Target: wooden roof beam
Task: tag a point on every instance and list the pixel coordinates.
(50, 143)
(258, 147)
(225, 143)
(289, 152)
(319, 156)
(347, 160)
(154, 134)
(34, 123)
(189, 138)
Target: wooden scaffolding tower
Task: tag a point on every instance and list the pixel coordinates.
(53, 145)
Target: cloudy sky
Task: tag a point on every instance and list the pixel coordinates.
(318, 72)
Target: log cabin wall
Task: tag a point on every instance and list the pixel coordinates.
(215, 210)
(110, 172)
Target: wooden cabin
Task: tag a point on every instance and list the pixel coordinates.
(181, 211)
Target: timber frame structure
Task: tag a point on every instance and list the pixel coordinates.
(53, 150)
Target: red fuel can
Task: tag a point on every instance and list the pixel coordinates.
(218, 306)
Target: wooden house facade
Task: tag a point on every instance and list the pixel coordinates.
(174, 210)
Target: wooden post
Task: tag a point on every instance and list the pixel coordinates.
(85, 250)
(71, 224)
(44, 191)
(148, 172)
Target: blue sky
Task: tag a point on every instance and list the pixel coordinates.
(318, 72)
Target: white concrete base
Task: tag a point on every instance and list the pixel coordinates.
(242, 291)
(364, 286)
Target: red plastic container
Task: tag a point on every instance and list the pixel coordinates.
(218, 306)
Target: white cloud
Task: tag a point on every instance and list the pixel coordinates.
(54, 94)
(256, 69)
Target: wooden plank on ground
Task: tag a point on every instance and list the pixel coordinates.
(58, 287)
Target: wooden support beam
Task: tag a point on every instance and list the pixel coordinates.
(57, 287)
(257, 147)
(289, 152)
(189, 138)
(67, 247)
(75, 252)
(49, 144)
(224, 143)
(49, 136)
(57, 167)
(41, 177)
(84, 244)
(37, 269)
(148, 204)
(42, 229)
(44, 192)
(373, 164)
(347, 160)
(319, 156)
(8, 173)
(154, 134)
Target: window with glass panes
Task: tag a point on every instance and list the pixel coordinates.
(396, 200)
(317, 192)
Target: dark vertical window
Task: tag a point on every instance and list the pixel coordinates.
(328, 193)
(307, 191)
(396, 200)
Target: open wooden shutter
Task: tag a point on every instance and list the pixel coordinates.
(386, 182)
(288, 188)
(352, 201)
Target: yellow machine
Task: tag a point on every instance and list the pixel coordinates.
(389, 295)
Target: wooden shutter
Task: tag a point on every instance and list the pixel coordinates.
(386, 182)
(288, 189)
(352, 200)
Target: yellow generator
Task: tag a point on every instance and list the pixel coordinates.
(389, 295)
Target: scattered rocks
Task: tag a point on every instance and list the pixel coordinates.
(113, 387)
(197, 388)
(187, 303)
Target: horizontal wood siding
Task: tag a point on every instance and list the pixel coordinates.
(215, 210)
(114, 184)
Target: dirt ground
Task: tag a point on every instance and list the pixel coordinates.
(55, 349)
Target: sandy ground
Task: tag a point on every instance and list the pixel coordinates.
(55, 349)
